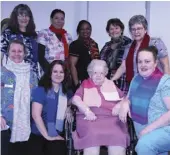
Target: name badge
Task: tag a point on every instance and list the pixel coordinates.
(9, 85)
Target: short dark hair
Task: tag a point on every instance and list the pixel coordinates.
(17, 42)
(13, 22)
(151, 49)
(116, 22)
(80, 25)
(56, 11)
(46, 81)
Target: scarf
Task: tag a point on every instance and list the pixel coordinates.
(56, 108)
(108, 90)
(21, 111)
(130, 56)
(62, 32)
(141, 92)
(92, 47)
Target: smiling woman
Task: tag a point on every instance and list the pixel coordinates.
(17, 81)
(48, 111)
(138, 26)
(54, 42)
(21, 27)
(81, 52)
(148, 102)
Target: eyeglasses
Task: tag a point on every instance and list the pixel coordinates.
(137, 29)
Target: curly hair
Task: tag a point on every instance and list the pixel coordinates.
(13, 21)
(46, 81)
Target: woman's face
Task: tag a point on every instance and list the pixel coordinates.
(58, 20)
(138, 32)
(23, 20)
(85, 31)
(146, 63)
(115, 31)
(16, 53)
(98, 75)
(57, 75)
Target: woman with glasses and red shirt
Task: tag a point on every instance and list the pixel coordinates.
(138, 28)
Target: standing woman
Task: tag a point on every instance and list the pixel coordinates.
(113, 51)
(81, 52)
(17, 81)
(138, 26)
(48, 111)
(54, 41)
(21, 26)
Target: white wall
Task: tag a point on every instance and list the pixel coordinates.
(99, 12)
(160, 22)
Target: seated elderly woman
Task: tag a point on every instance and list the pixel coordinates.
(149, 103)
(96, 126)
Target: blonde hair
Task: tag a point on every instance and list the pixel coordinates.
(96, 62)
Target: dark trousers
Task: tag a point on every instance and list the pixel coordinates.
(40, 146)
(8, 148)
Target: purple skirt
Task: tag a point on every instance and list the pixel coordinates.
(106, 130)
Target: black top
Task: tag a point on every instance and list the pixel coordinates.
(78, 49)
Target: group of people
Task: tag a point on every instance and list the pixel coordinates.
(43, 71)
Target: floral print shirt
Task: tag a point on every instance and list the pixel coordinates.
(54, 48)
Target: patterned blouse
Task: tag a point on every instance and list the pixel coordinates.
(113, 57)
(29, 42)
(54, 48)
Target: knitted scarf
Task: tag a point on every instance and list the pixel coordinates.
(92, 47)
(62, 32)
(130, 56)
(56, 108)
(20, 130)
(108, 90)
(141, 92)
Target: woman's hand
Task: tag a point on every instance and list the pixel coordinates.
(54, 138)
(3, 123)
(69, 115)
(124, 110)
(115, 110)
(89, 115)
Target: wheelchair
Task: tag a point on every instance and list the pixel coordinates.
(70, 127)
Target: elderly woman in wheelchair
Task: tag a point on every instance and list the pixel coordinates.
(96, 125)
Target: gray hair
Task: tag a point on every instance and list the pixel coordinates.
(138, 19)
(96, 62)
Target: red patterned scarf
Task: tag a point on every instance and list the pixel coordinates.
(130, 56)
(93, 48)
(63, 39)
